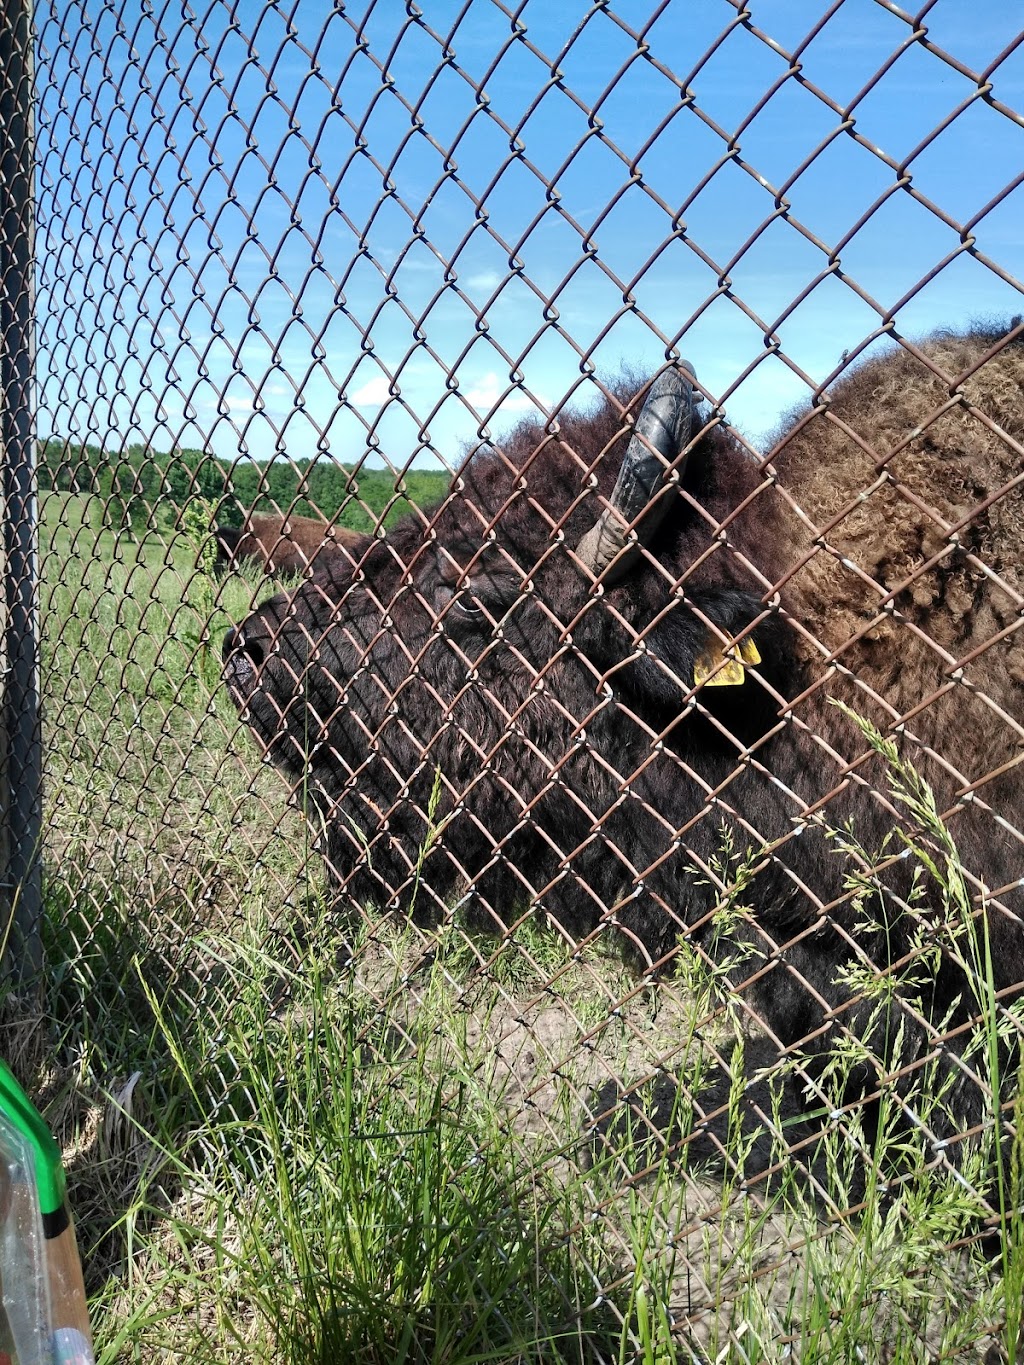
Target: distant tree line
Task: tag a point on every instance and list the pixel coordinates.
(140, 487)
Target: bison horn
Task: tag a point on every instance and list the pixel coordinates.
(662, 431)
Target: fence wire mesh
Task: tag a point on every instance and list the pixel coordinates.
(534, 823)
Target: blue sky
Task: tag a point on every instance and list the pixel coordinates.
(280, 230)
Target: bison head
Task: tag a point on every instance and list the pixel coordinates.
(527, 693)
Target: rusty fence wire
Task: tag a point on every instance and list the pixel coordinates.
(530, 597)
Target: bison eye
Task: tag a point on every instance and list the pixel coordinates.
(470, 610)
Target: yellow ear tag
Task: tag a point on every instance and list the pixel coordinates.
(716, 669)
(748, 651)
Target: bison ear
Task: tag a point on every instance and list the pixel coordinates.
(667, 422)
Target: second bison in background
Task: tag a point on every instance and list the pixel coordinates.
(281, 544)
(598, 679)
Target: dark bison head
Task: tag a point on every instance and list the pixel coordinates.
(532, 693)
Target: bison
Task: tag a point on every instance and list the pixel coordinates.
(280, 544)
(598, 679)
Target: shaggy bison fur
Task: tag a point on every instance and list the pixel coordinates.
(473, 711)
(280, 544)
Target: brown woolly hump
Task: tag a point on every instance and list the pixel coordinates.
(909, 478)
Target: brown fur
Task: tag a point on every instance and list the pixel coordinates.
(282, 544)
(973, 592)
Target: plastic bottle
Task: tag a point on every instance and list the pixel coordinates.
(44, 1319)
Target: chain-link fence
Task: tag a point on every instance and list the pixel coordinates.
(617, 952)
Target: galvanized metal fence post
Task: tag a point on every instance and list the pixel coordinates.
(22, 759)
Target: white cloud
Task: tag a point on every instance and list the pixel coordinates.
(485, 281)
(486, 393)
(231, 404)
(373, 393)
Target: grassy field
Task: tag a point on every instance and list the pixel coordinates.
(292, 1138)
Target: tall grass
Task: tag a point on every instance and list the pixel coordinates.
(352, 1194)
(323, 1158)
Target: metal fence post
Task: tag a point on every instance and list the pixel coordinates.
(22, 765)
